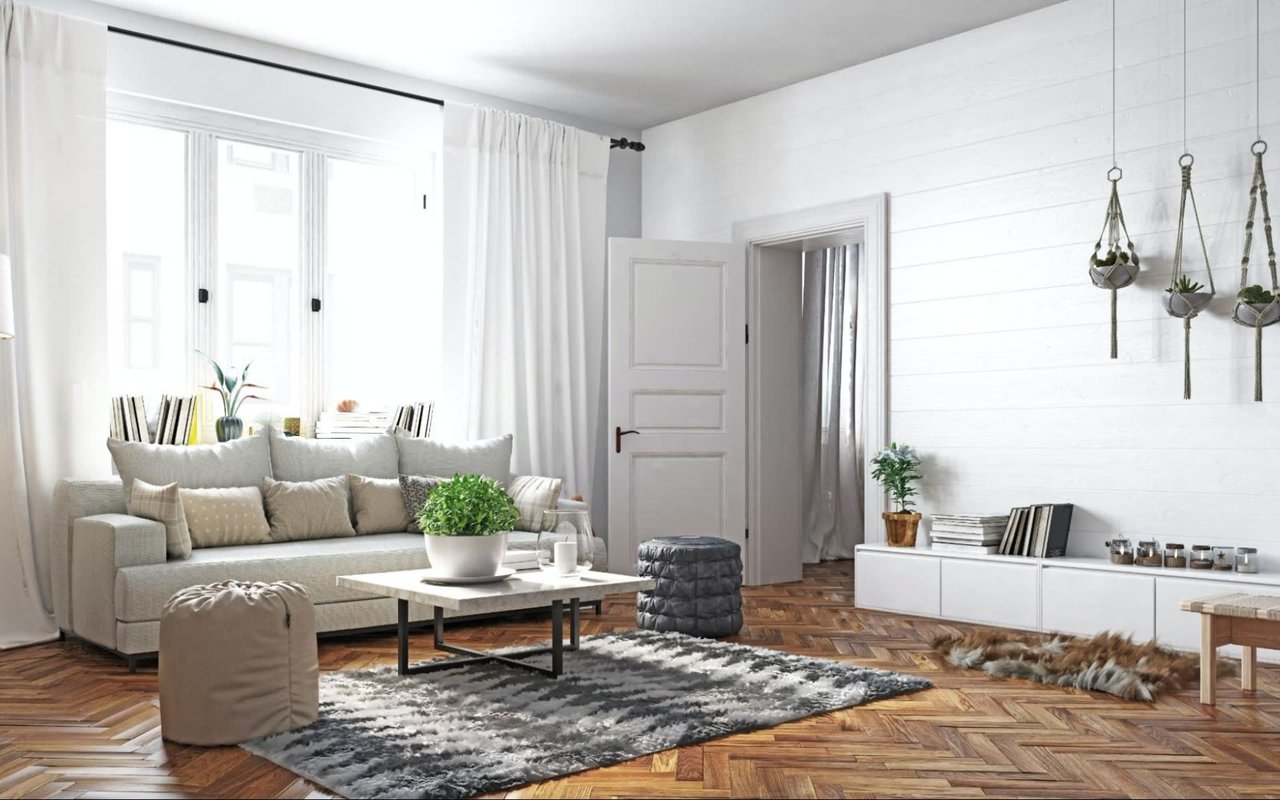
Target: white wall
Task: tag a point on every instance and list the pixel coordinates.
(993, 147)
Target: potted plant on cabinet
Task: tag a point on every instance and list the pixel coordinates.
(231, 388)
(466, 521)
(897, 468)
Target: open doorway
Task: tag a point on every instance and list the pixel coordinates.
(815, 384)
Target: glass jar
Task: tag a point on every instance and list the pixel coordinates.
(1224, 559)
(1247, 559)
(1121, 551)
(565, 542)
(1201, 557)
(1148, 554)
(1175, 556)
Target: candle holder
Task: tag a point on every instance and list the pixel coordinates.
(565, 542)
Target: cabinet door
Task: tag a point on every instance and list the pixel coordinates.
(1181, 629)
(1087, 602)
(991, 592)
(904, 583)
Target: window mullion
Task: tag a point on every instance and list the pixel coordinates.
(202, 183)
(313, 234)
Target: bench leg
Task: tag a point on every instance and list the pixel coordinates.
(1208, 660)
(1248, 669)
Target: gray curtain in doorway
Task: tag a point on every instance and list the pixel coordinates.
(832, 430)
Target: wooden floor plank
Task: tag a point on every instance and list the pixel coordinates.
(75, 723)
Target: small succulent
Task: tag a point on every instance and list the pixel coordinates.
(1184, 285)
(1256, 295)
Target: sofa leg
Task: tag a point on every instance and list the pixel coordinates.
(133, 664)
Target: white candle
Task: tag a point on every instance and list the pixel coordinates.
(566, 557)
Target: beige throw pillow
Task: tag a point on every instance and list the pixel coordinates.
(224, 517)
(533, 496)
(378, 504)
(163, 504)
(307, 509)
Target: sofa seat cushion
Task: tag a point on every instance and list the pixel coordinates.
(141, 592)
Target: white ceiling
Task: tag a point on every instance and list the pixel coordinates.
(630, 62)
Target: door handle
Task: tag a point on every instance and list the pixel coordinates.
(618, 433)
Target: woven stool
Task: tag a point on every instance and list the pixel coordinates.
(237, 661)
(699, 583)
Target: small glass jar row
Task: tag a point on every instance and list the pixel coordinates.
(1148, 553)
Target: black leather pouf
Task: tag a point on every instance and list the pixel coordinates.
(699, 586)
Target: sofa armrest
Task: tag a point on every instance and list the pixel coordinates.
(73, 499)
(101, 545)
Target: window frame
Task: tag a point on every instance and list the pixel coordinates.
(203, 128)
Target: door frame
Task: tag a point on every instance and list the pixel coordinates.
(870, 215)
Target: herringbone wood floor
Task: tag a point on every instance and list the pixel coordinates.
(74, 723)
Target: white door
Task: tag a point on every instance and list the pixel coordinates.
(677, 393)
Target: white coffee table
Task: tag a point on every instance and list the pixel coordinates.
(523, 590)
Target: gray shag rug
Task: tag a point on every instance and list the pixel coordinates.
(486, 727)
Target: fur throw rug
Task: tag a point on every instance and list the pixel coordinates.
(1108, 662)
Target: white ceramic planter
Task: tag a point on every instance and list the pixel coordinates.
(466, 556)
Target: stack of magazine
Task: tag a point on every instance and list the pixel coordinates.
(968, 533)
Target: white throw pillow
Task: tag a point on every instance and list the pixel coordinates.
(294, 458)
(241, 462)
(533, 496)
(163, 504)
(488, 457)
(224, 517)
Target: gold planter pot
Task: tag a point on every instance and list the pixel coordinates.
(900, 528)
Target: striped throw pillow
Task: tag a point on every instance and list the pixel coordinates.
(533, 496)
(163, 504)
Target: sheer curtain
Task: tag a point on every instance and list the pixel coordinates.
(524, 248)
(52, 221)
(832, 385)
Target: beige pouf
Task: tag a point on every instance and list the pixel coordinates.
(237, 661)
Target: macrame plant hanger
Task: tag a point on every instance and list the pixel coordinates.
(1118, 267)
(1185, 299)
(1256, 307)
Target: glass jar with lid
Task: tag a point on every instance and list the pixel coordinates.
(1175, 556)
(1247, 559)
(1148, 554)
(1224, 559)
(1201, 557)
(1121, 551)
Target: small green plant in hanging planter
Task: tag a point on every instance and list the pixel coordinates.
(1256, 307)
(1186, 298)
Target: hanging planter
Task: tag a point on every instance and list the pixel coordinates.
(1257, 307)
(1118, 266)
(1184, 298)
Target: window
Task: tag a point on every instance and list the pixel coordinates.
(272, 222)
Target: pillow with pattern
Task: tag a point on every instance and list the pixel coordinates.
(414, 490)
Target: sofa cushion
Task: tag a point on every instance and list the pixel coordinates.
(318, 509)
(488, 457)
(378, 505)
(225, 517)
(414, 491)
(163, 504)
(294, 458)
(241, 462)
(533, 496)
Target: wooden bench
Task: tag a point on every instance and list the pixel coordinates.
(1249, 620)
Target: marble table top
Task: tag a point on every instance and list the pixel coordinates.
(523, 590)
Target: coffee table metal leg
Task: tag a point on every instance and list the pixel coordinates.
(402, 633)
(575, 617)
(437, 626)
(557, 638)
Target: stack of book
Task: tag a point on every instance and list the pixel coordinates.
(1037, 531)
(968, 533)
(352, 424)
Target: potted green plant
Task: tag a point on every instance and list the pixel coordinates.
(897, 468)
(1256, 307)
(466, 520)
(231, 388)
(1185, 298)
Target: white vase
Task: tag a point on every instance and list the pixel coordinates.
(466, 556)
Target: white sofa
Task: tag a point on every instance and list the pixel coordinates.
(111, 576)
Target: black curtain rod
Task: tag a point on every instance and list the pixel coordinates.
(623, 144)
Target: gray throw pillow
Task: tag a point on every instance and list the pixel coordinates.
(488, 457)
(241, 462)
(307, 509)
(378, 504)
(294, 458)
(414, 490)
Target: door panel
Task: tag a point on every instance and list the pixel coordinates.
(677, 377)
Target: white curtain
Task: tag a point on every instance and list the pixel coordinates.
(832, 379)
(524, 286)
(52, 219)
